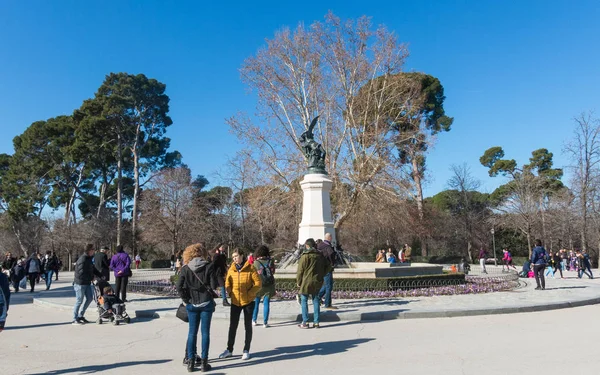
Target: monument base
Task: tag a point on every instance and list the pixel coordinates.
(316, 208)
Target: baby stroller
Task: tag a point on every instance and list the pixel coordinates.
(118, 313)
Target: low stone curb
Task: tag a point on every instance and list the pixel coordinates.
(332, 316)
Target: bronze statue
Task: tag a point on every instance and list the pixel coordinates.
(313, 151)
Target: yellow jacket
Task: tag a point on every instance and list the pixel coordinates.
(242, 285)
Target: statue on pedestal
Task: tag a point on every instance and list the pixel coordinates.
(314, 152)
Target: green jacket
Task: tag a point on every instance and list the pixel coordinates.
(312, 268)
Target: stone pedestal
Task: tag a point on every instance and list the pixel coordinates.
(316, 208)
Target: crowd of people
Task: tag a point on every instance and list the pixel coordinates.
(394, 256)
(34, 269)
(248, 281)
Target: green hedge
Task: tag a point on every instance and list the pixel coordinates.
(156, 263)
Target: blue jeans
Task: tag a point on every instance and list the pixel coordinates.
(326, 289)
(266, 302)
(200, 317)
(223, 294)
(49, 278)
(82, 291)
(316, 307)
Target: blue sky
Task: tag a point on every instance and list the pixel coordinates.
(515, 73)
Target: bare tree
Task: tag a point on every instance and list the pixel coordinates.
(468, 210)
(584, 150)
(320, 70)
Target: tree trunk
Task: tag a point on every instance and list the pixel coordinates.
(102, 197)
(416, 175)
(529, 241)
(119, 187)
(136, 192)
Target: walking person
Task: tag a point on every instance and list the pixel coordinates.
(538, 259)
(8, 263)
(4, 299)
(557, 262)
(195, 286)
(482, 256)
(581, 266)
(33, 268)
(312, 269)
(102, 264)
(48, 266)
(265, 267)
(326, 249)
(587, 264)
(82, 283)
(508, 261)
(17, 274)
(59, 265)
(138, 260)
(120, 263)
(220, 264)
(242, 283)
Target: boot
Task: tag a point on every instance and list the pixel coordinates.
(190, 365)
(205, 366)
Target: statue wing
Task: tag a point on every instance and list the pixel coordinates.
(312, 125)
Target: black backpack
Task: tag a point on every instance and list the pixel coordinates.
(266, 276)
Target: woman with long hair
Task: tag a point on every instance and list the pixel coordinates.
(196, 280)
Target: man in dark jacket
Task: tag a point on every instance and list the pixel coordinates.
(9, 262)
(326, 249)
(220, 266)
(312, 269)
(49, 263)
(539, 260)
(84, 275)
(17, 274)
(102, 264)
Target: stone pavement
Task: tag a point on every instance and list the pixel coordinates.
(559, 293)
(40, 340)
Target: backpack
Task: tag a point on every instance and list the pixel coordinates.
(266, 276)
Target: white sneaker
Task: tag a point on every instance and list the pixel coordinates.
(245, 355)
(225, 354)
(266, 325)
(254, 323)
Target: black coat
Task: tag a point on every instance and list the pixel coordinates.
(50, 264)
(85, 271)
(102, 265)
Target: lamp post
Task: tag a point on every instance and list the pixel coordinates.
(494, 247)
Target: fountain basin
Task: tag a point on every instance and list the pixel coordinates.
(371, 270)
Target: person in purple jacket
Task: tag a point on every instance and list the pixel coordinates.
(120, 263)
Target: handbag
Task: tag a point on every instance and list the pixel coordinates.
(182, 313)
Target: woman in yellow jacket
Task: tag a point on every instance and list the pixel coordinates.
(242, 283)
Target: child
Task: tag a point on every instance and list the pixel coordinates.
(111, 301)
(507, 258)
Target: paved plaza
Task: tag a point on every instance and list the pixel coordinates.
(39, 338)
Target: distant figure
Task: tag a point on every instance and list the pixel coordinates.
(380, 256)
(538, 259)
(391, 258)
(49, 264)
(17, 274)
(407, 252)
(33, 268)
(482, 256)
(508, 262)
(138, 260)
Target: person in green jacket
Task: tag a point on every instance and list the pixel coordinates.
(312, 269)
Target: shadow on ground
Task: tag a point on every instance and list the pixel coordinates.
(293, 352)
(99, 368)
